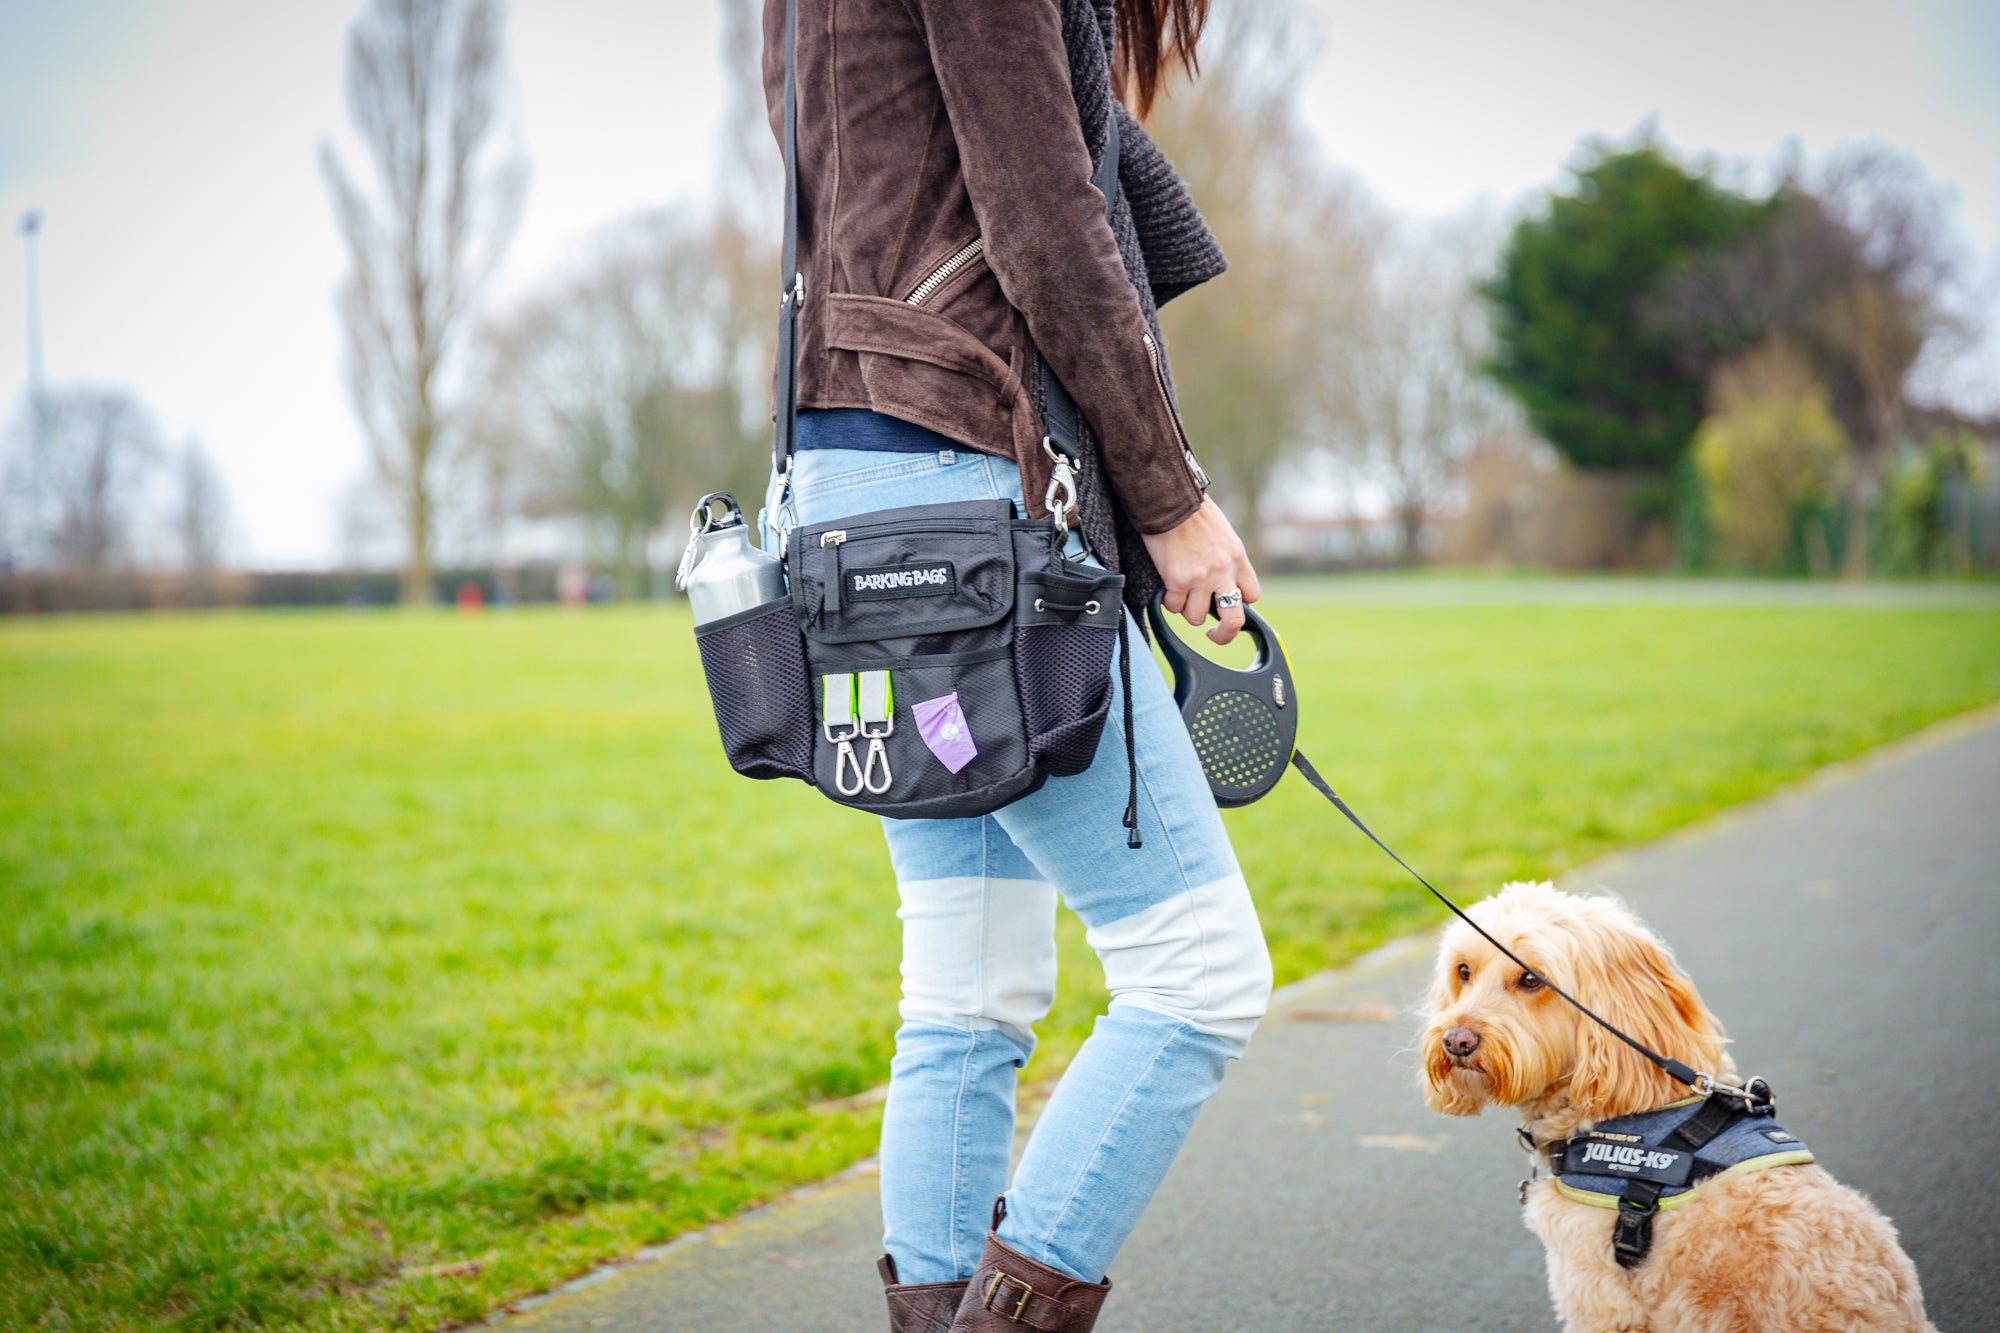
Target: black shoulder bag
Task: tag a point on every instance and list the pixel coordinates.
(930, 662)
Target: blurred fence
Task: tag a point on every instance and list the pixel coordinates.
(134, 590)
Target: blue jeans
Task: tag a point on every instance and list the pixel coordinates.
(1172, 922)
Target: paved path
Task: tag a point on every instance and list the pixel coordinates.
(1860, 972)
(1433, 589)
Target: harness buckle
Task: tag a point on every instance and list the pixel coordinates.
(1632, 1234)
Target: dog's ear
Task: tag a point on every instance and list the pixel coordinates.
(1626, 975)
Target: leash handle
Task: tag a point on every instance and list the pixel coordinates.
(1674, 1068)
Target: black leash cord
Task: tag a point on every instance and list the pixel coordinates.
(1674, 1068)
(1132, 839)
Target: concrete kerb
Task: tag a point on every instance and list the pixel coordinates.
(1383, 957)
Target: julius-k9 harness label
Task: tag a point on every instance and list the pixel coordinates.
(1625, 1155)
(934, 578)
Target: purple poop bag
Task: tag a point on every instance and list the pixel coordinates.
(941, 722)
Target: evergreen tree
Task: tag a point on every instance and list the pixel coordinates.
(1571, 344)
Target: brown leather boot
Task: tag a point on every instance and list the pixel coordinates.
(918, 1307)
(1010, 1292)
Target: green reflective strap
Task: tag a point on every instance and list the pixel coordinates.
(877, 696)
(838, 709)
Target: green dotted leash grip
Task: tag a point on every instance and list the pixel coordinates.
(1245, 722)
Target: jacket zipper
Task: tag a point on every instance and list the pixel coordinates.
(944, 272)
(1167, 401)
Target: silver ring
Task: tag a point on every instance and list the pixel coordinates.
(1225, 600)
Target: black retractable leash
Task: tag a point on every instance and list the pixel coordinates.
(1245, 724)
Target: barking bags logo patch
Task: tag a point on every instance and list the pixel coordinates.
(936, 579)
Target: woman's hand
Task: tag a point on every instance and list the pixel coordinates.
(1199, 559)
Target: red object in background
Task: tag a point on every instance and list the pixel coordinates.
(471, 597)
(573, 584)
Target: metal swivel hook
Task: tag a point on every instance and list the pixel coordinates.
(876, 752)
(1755, 1095)
(844, 762)
(844, 758)
(1060, 498)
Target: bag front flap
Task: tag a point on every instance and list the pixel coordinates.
(893, 573)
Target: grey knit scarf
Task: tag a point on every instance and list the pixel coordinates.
(1167, 249)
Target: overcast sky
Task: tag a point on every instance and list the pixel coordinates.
(189, 251)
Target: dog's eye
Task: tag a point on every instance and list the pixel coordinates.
(1529, 981)
(1464, 973)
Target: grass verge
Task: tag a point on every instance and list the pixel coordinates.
(365, 971)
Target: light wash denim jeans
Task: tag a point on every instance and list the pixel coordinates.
(1183, 956)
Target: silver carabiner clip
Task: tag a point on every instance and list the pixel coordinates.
(699, 523)
(1754, 1095)
(1060, 497)
(787, 516)
(876, 751)
(844, 761)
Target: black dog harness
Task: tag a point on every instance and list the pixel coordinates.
(1639, 1164)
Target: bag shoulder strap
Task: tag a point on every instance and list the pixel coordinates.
(1060, 414)
(794, 290)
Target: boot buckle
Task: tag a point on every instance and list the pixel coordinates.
(993, 1293)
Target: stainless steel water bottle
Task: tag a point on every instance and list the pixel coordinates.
(723, 572)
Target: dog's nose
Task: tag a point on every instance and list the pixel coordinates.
(1460, 1041)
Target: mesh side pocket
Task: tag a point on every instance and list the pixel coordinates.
(755, 662)
(1065, 680)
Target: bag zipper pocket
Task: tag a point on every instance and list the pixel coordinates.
(835, 538)
(1167, 401)
(841, 536)
(946, 271)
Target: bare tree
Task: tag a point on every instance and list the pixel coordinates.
(1416, 403)
(622, 390)
(1254, 351)
(424, 84)
(100, 447)
(751, 182)
(748, 224)
(201, 509)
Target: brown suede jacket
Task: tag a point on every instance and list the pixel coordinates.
(948, 223)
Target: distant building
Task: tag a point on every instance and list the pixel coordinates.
(1340, 541)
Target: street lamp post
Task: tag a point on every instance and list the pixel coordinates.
(30, 228)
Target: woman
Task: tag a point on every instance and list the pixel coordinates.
(950, 242)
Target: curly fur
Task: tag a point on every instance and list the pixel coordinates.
(1788, 1247)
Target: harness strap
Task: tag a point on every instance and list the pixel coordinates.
(1632, 1233)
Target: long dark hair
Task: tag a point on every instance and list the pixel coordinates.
(1153, 35)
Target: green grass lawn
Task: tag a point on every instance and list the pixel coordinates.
(366, 970)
